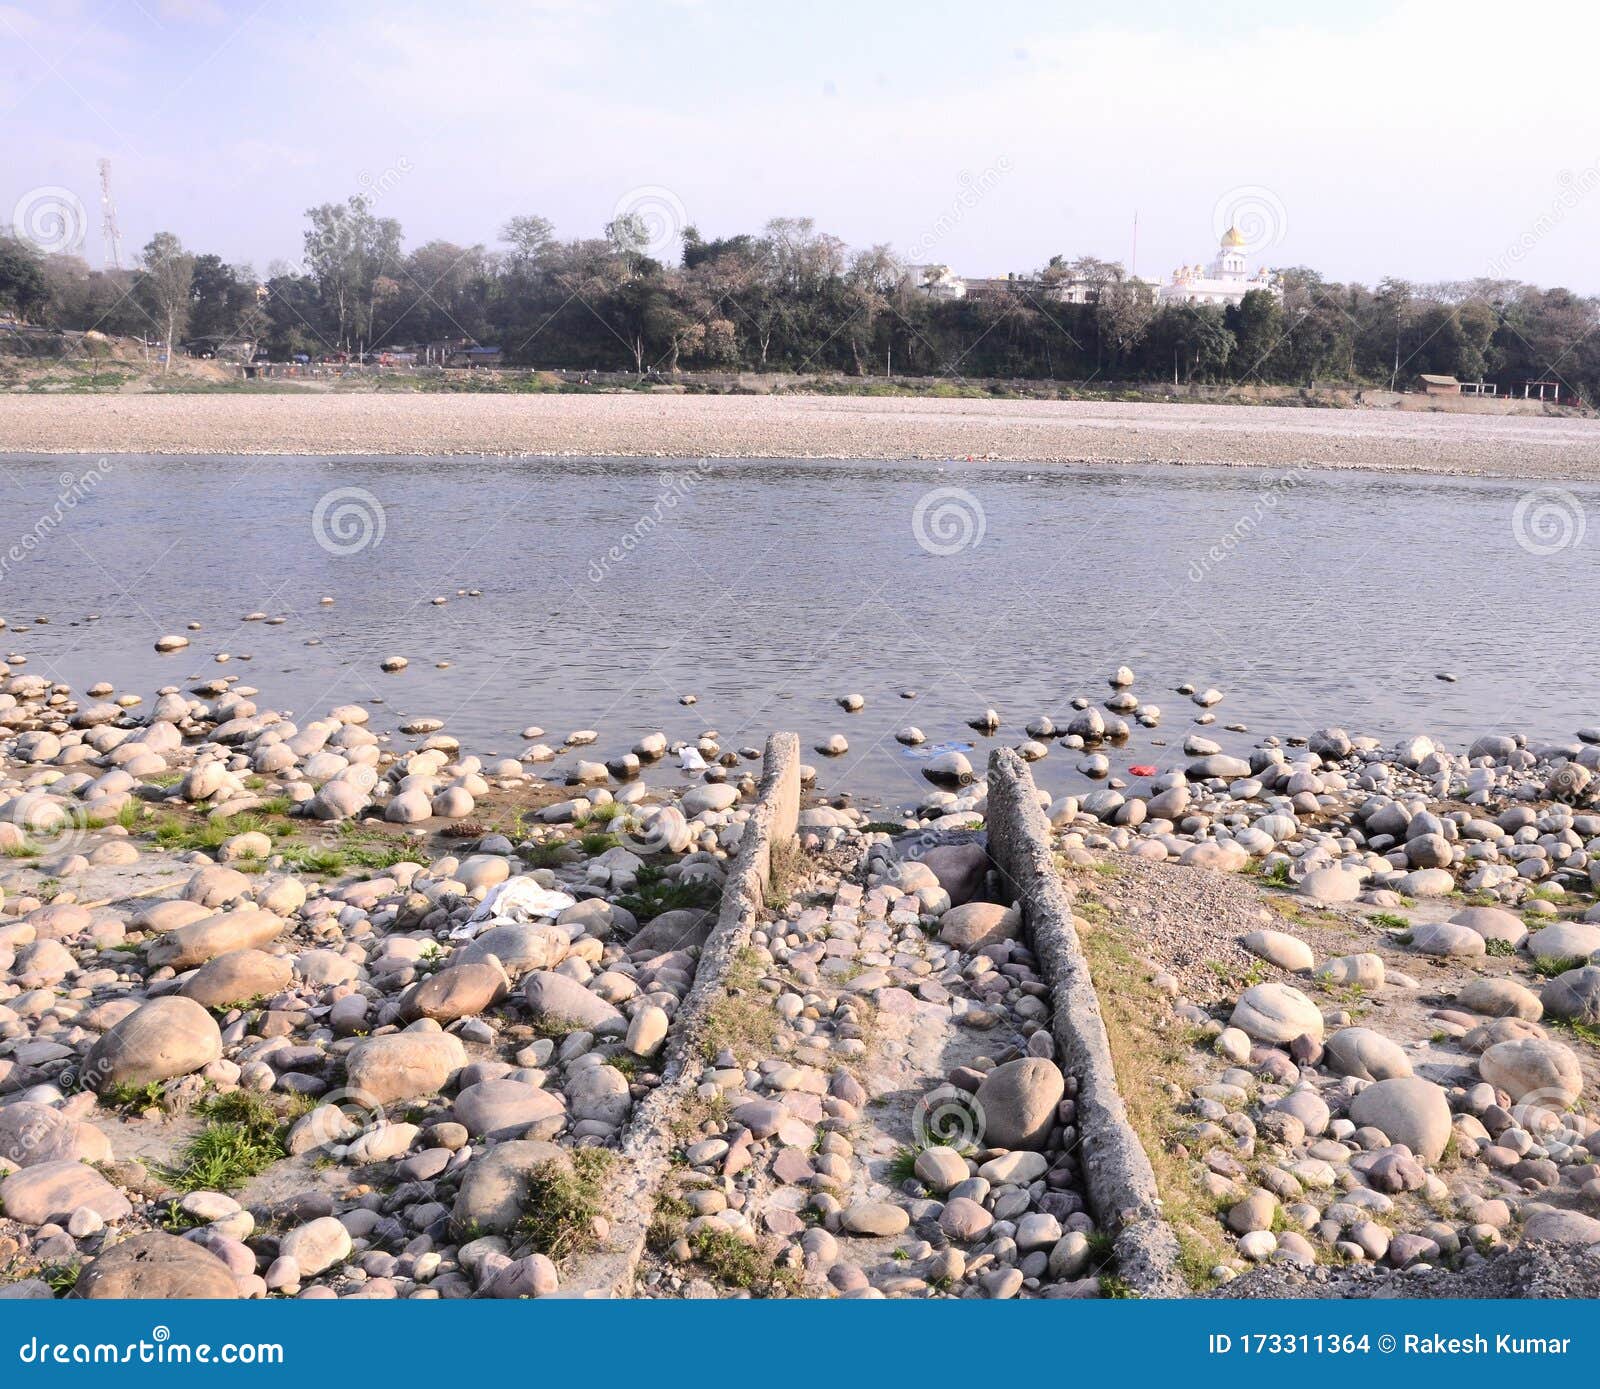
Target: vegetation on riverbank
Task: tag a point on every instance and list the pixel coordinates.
(793, 298)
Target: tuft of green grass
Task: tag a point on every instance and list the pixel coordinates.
(62, 1278)
(210, 835)
(243, 1139)
(1498, 947)
(903, 1165)
(307, 859)
(735, 1263)
(785, 870)
(384, 855)
(1550, 968)
(565, 1201)
(741, 1018)
(654, 894)
(1576, 1027)
(175, 1221)
(546, 855)
(1146, 1050)
(597, 843)
(1390, 919)
(133, 1097)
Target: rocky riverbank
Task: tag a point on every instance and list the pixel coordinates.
(312, 1007)
(673, 426)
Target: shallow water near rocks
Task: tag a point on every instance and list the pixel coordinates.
(610, 588)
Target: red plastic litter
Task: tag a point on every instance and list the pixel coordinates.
(1142, 770)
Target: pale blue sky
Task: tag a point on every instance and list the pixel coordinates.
(1430, 140)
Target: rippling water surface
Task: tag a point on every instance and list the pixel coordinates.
(611, 588)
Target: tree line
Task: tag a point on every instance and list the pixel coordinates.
(793, 298)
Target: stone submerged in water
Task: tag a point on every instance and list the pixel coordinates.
(948, 769)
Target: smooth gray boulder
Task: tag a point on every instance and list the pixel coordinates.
(1366, 1054)
(1408, 1110)
(1017, 1101)
(1277, 1013)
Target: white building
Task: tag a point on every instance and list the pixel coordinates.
(937, 281)
(1082, 291)
(1225, 281)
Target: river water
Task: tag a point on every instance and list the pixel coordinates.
(609, 589)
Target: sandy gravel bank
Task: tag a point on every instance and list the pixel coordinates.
(790, 427)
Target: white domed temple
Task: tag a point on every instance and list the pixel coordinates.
(1225, 281)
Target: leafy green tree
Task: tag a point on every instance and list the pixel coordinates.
(1256, 323)
(349, 252)
(166, 286)
(221, 296)
(23, 288)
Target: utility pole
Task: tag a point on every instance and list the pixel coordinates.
(108, 218)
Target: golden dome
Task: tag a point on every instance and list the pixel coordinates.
(1232, 239)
